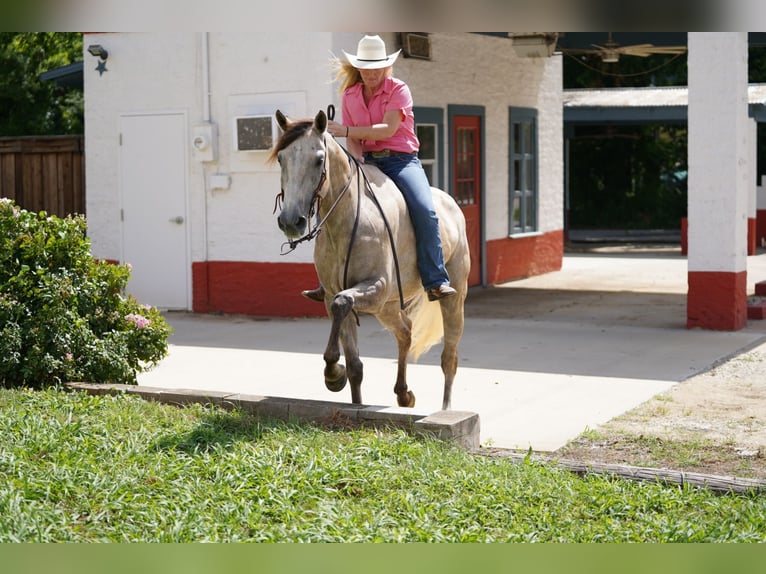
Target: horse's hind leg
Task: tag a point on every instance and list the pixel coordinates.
(453, 316)
(404, 397)
(401, 327)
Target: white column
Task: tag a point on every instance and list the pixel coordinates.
(719, 131)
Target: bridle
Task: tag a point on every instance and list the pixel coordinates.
(314, 205)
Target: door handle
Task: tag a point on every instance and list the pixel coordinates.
(177, 219)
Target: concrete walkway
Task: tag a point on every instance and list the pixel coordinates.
(542, 359)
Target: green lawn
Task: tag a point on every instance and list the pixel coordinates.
(80, 468)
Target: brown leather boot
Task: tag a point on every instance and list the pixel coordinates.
(440, 292)
(314, 294)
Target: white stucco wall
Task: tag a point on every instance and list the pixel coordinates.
(145, 73)
(257, 73)
(485, 71)
(248, 74)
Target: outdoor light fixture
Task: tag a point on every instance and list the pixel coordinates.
(98, 50)
(534, 44)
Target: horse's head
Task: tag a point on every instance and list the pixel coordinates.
(302, 156)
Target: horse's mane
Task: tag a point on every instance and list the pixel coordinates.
(293, 132)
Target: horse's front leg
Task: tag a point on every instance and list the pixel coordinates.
(335, 372)
(362, 297)
(349, 340)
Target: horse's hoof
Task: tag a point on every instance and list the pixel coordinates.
(337, 383)
(407, 401)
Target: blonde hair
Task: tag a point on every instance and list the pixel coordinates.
(347, 75)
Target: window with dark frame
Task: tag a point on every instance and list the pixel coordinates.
(429, 128)
(428, 152)
(523, 193)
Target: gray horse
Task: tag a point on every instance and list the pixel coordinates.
(365, 255)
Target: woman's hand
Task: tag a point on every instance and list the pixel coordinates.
(337, 130)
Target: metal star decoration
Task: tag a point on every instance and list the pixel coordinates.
(101, 67)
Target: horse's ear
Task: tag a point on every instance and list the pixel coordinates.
(282, 120)
(320, 122)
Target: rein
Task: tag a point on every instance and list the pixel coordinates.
(388, 229)
(318, 227)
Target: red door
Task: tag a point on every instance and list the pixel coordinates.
(466, 184)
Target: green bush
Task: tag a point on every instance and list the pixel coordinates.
(64, 315)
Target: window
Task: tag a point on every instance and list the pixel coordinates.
(253, 133)
(523, 193)
(467, 185)
(429, 127)
(428, 152)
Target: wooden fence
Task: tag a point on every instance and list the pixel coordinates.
(44, 173)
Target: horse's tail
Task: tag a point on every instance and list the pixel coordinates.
(427, 325)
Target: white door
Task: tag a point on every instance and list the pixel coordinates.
(153, 191)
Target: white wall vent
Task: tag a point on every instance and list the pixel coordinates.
(254, 133)
(416, 45)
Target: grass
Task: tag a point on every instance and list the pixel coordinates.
(79, 468)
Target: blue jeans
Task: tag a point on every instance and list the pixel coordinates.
(408, 174)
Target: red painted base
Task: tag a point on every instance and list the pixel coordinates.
(752, 232)
(717, 300)
(760, 288)
(249, 288)
(274, 289)
(756, 310)
(760, 228)
(517, 258)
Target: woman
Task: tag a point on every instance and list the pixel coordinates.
(379, 127)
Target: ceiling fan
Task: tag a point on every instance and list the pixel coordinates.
(611, 51)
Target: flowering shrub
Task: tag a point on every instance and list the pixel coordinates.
(64, 315)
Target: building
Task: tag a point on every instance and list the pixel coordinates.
(178, 127)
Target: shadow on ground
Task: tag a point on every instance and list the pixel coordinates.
(592, 307)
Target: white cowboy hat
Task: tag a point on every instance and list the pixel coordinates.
(371, 54)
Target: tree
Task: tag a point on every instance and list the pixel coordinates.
(29, 106)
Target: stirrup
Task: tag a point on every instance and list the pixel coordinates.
(314, 294)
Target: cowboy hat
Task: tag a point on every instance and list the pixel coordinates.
(371, 54)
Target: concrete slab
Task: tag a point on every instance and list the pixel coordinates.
(459, 427)
(541, 360)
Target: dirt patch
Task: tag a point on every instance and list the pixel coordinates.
(712, 423)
